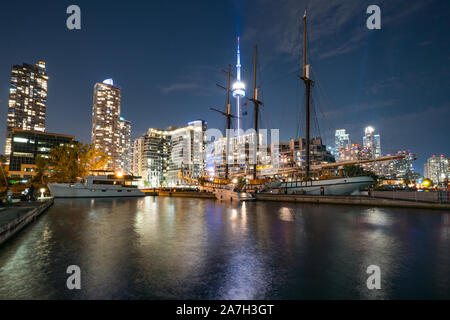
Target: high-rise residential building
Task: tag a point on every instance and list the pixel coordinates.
(159, 156)
(110, 133)
(125, 153)
(350, 153)
(138, 149)
(27, 100)
(241, 154)
(372, 143)
(436, 169)
(318, 151)
(187, 147)
(342, 140)
(151, 154)
(399, 168)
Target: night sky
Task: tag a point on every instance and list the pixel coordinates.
(167, 57)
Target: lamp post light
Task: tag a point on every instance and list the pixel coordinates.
(42, 192)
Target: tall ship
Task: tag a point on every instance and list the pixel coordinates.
(325, 179)
(97, 186)
(308, 178)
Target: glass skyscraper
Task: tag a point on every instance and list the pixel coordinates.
(342, 140)
(372, 143)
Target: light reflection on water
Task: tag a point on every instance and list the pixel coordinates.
(176, 248)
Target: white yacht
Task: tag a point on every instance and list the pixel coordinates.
(100, 186)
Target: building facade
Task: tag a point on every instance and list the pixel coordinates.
(350, 153)
(159, 156)
(372, 142)
(342, 140)
(27, 145)
(125, 153)
(436, 169)
(241, 155)
(110, 133)
(151, 153)
(318, 152)
(187, 152)
(27, 102)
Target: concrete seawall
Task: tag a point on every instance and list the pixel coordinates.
(13, 219)
(190, 194)
(353, 200)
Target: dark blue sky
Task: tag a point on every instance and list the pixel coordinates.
(167, 57)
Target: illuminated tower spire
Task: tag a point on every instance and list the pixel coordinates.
(238, 87)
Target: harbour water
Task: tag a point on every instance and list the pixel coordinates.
(181, 248)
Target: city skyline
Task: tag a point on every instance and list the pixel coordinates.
(153, 85)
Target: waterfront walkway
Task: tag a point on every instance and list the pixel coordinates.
(14, 218)
(353, 200)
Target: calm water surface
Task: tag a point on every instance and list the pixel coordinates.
(178, 248)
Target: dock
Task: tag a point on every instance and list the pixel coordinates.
(353, 200)
(185, 194)
(16, 217)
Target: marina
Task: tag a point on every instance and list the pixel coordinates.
(231, 157)
(186, 248)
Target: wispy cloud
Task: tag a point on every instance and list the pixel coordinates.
(177, 87)
(335, 27)
(195, 80)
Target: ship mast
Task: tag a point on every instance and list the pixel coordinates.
(308, 83)
(228, 116)
(257, 104)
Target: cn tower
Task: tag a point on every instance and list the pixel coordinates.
(238, 88)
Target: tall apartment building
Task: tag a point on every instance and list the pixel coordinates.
(240, 155)
(151, 154)
(27, 100)
(318, 151)
(110, 132)
(160, 155)
(398, 168)
(125, 153)
(436, 169)
(342, 140)
(350, 153)
(372, 143)
(187, 147)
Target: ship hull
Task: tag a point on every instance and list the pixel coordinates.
(66, 190)
(230, 195)
(340, 186)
